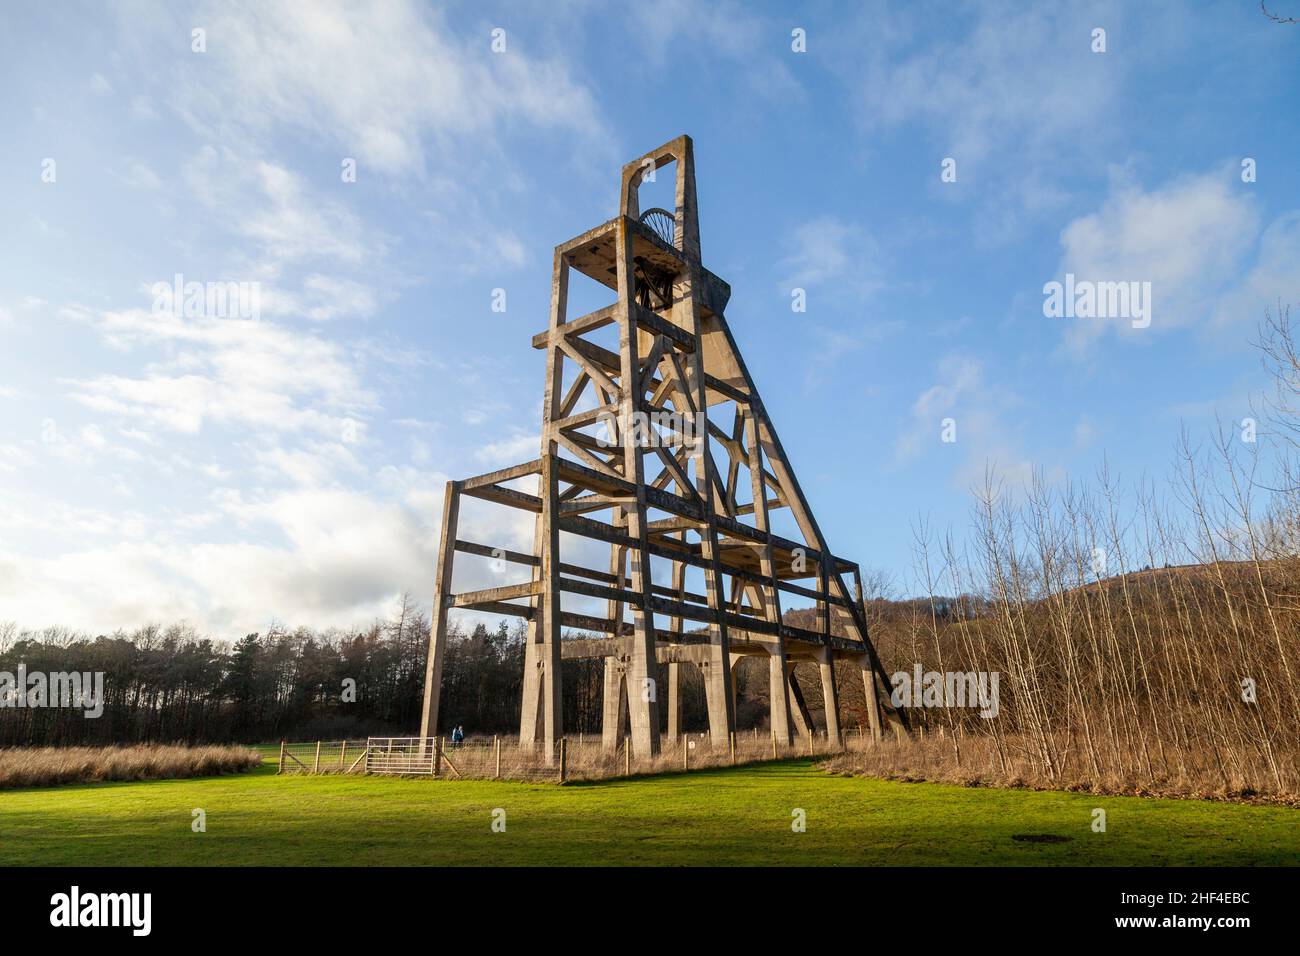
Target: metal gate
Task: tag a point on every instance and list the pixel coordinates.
(405, 755)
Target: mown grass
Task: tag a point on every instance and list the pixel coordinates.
(738, 816)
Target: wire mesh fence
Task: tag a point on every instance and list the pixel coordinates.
(571, 758)
(323, 756)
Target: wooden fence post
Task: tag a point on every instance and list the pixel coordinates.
(732, 740)
(564, 759)
(627, 756)
(686, 752)
(343, 752)
(315, 767)
(496, 749)
(281, 768)
(437, 755)
(774, 745)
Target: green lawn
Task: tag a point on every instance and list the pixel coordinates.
(728, 816)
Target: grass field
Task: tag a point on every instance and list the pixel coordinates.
(731, 816)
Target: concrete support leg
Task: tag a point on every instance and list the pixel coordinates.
(720, 694)
(641, 678)
(735, 660)
(779, 691)
(530, 714)
(643, 697)
(548, 614)
(614, 710)
(873, 701)
(441, 600)
(674, 700)
(643, 693)
(830, 695)
(803, 721)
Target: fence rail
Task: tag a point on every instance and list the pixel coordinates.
(577, 757)
(322, 756)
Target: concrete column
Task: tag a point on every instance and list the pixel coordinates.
(613, 726)
(441, 600)
(674, 700)
(799, 712)
(873, 702)
(548, 612)
(642, 689)
(720, 694)
(830, 694)
(642, 692)
(734, 662)
(716, 670)
(538, 718)
(530, 714)
(779, 691)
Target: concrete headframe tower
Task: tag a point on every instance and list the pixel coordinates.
(667, 441)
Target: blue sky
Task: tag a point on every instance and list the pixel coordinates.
(235, 472)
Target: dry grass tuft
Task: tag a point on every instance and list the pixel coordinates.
(976, 763)
(50, 766)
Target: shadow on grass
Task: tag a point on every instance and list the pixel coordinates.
(808, 763)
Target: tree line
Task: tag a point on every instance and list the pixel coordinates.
(173, 684)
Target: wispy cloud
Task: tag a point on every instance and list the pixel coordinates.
(1192, 238)
(400, 90)
(965, 416)
(229, 372)
(833, 254)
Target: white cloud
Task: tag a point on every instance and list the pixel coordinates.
(1274, 278)
(1194, 239)
(721, 32)
(1020, 80)
(317, 465)
(323, 299)
(138, 176)
(827, 248)
(509, 451)
(230, 372)
(1012, 92)
(142, 108)
(272, 206)
(72, 521)
(93, 437)
(985, 434)
(13, 457)
(1186, 235)
(321, 557)
(399, 85)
